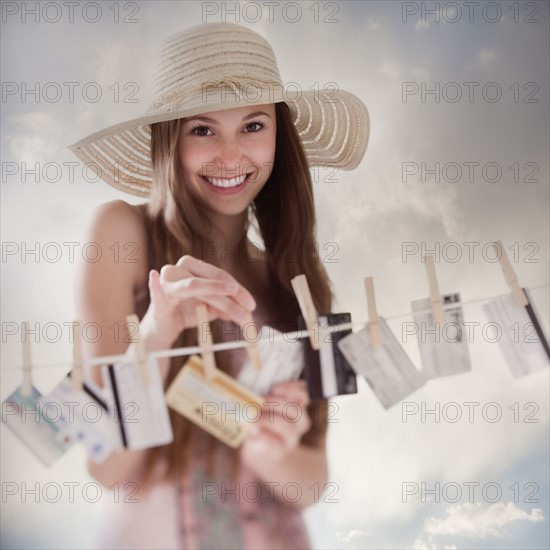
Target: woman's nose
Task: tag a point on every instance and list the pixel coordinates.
(229, 156)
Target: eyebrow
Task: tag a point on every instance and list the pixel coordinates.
(212, 121)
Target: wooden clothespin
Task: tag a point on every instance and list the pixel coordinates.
(311, 317)
(374, 327)
(509, 275)
(435, 296)
(206, 343)
(252, 348)
(77, 374)
(26, 387)
(140, 352)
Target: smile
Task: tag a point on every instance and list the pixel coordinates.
(222, 182)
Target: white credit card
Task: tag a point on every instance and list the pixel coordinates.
(388, 369)
(140, 412)
(519, 342)
(86, 418)
(282, 360)
(24, 417)
(444, 350)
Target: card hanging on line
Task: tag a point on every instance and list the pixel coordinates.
(139, 410)
(84, 417)
(520, 335)
(327, 372)
(387, 368)
(220, 406)
(518, 323)
(282, 360)
(24, 416)
(444, 348)
(22, 413)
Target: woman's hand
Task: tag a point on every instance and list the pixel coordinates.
(283, 422)
(178, 289)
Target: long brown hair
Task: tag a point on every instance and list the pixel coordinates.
(283, 214)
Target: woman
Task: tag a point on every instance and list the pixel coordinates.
(221, 148)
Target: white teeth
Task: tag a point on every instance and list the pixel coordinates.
(219, 182)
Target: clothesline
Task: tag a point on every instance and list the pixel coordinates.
(287, 336)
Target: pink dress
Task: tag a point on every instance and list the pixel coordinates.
(203, 513)
(206, 512)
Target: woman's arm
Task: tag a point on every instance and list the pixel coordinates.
(274, 453)
(104, 294)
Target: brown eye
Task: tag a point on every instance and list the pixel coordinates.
(254, 127)
(200, 130)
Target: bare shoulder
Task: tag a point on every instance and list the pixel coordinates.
(119, 218)
(119, 229)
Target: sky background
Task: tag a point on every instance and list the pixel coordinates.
(365, 217)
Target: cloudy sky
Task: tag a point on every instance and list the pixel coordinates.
(485, 131)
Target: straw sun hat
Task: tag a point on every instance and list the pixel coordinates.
(218, 66)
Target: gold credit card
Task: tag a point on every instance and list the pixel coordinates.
(221, 406)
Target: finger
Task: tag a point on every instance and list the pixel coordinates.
(231, 311)
(155, 288)
(198, 268)
(214, 313)
(169, 272)
(192, 286)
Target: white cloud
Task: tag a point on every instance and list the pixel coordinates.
(420, 544)
(479, 520)
(486, 56)
(483, 59)
(373, 25)
(421, 25)
(421, 74)
(37, 137)
(391, 68)
(354, 534)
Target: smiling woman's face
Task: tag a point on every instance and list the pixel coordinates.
(227, 156)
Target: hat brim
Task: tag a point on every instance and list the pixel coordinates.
(333, 125)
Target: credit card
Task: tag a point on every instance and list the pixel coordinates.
(444, 350)
(222, 407)
(388, 369)
(139, 411)
(46, 439)
(86, 418)
(520, 336)
(282, 360)
(327, 372)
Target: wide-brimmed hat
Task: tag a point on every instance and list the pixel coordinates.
(216, 66)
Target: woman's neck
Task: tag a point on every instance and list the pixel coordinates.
(226, 246)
